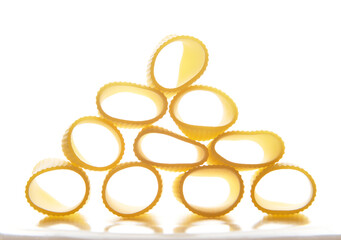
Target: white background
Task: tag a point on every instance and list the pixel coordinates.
(278, 60)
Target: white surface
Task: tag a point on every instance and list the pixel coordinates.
(278, 60)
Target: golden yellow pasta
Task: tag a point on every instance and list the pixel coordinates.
(42, 200)
(272, 145)
(193, 63)
(202, 152)
(202, 133)
(155, 95)
(73, 155)
(194, 60)
(233, 178)
(281, 207)
(123, 209)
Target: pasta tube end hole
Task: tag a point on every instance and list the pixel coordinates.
(283, 190)
(95, 144)
(131, 190)
(59, 190)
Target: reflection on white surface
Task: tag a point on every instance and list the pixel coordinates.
(214, 228)
(277, 222)
(71, 222)
(145, 224)
(127, 228)
(193, 224)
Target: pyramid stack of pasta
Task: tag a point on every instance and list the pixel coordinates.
(209, 162)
